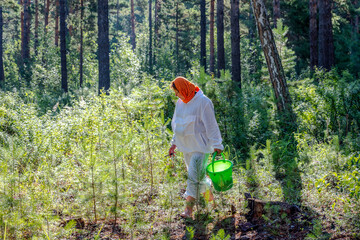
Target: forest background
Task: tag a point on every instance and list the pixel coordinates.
(85, 111)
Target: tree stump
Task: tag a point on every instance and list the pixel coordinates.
(258, 208)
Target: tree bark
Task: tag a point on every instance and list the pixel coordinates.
(81, 41)
(313, 34)
(235, 43)
(156, 30)
(69, 10)
(57, 23)
(326, 42)
(150, 38)
(64, 83)
(203, 34)
(26, 32)
(356, 17)
(220, 36)
(36, 40)
(22, 24)
(2, 75)
(133, 36)
(276, 11)
(103, 45)
(117, 15)
(254, 61)
(177, 38)
(252, 26)
(157, 26)
(46, 14)
(212, 52)
(276, 72)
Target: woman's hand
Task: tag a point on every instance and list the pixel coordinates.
(218, 151)
(172, 150)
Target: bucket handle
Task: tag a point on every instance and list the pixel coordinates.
(215, 153)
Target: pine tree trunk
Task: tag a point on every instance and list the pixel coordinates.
(220, 36)
(252, 45)
(57, 23)
(64, 83)
(22, 24)
(36, 40)
(252, 26)
(157, 26)
(103, 45)
(356, 17)
(326, 42)
(177, 38)
(271, 54)
(81, 41)
(26, 32)
(235, 43)
(276, 11)
(313, 34)
(133, 36)
(2, 75)
(70, 29)
(46, 14)
(150, 38)
(212, 52)
(203, 34)
(117, 15)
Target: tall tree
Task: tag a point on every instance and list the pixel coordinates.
(156, 28)
(235, 43)
(69, 12)
(117, 15)
(56, 22)
(2, 75)
(150, 38)
(276, 11)
(22, 22)
(255, 63)
(64, 83)
(26, 32)
(46, 14)
(177, 37)
(313, 34)
(326, 42)
(271, 54)
(220, 35)
(251, 25)
(203, 34)
(103, 45)
(81, 41)
(212, 42)
(356, 18)
(132, 36)
(36, 40)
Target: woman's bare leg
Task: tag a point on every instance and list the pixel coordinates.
(190, 202)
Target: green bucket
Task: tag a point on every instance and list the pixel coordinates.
(220, 173)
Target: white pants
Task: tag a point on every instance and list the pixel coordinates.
(197, 182)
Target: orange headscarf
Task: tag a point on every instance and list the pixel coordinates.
(186, 88)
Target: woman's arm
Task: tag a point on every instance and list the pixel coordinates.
(211, 127)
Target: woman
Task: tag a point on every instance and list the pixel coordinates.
(196, 134)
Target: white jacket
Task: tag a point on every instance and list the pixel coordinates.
(195, 127)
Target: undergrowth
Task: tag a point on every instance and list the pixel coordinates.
(97, 166)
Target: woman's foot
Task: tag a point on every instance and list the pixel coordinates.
(187, 213)
(190, 201)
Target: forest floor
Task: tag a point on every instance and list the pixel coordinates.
(235, 226)
(229, 221)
